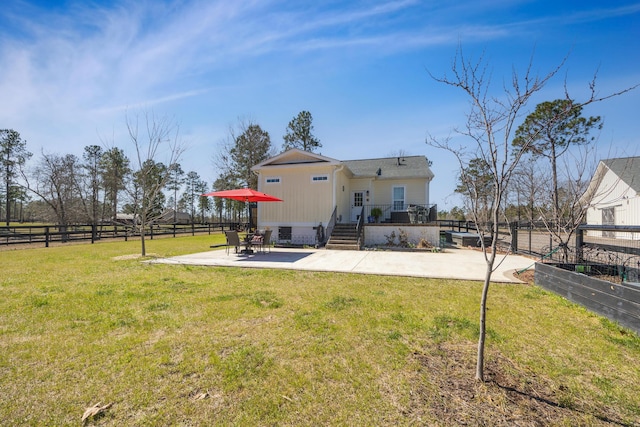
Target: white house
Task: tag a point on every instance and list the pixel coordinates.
(613, 196)
(322, 191)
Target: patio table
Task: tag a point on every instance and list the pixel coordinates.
(247, 242)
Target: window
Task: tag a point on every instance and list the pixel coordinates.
(397, 198)
(609, 218)
(358, 198)
(272, 180)
(319, 178)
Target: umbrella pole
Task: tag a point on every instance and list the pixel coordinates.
(249, 214)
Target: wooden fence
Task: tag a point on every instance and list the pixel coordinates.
(618, 302)
(47, 234)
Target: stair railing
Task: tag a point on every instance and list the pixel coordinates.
(359, 227)
(332, 222)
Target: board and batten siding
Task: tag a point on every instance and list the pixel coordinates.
(305, 201)
(616, 194)
(415, 191)
(343, 197)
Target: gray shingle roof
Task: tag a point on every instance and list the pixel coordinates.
(628, 169)
(391, 167)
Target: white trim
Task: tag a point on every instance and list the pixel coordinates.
(323, 177)
(404, 197)
(313, 158)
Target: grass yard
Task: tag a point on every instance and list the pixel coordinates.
(201, 346)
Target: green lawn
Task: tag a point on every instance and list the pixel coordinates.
(184, 345)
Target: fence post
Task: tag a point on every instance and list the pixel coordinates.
(46, 237)
(514, 237)
(93, 233)
(579, 244)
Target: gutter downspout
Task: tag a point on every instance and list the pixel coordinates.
(335, 186)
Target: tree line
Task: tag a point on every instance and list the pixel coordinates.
(549, 182)
(104, 184)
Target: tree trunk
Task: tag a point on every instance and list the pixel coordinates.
(142, 241)
(483, 328)
(490, 260)
(8, 199)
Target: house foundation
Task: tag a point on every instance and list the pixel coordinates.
(398, 234)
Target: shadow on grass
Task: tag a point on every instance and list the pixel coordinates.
(549, 402)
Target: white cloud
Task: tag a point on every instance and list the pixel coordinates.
(70, 75)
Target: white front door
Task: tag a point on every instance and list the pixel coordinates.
(357, 200)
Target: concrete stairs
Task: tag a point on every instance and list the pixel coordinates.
(344, 237)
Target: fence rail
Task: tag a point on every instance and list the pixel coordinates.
(47, 234)
(596, 250)
(400, 213)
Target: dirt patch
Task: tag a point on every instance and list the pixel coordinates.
(444, 388)
(526, 276)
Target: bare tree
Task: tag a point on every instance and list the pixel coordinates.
(151, 137)
(527, 184)
(562, 204)
(490, 127)
(54, 181)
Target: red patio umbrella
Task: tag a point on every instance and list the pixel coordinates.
(245, 195)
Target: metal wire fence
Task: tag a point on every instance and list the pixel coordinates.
(591, 249)
(607, 251)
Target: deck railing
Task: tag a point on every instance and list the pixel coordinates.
(409, 213)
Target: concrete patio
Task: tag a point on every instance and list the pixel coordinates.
(463, 264)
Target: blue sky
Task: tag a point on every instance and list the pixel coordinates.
(70, 70)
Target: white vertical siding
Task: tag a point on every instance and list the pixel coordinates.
(614, 193)
(305, 201)
(343, 196)
(415, 192)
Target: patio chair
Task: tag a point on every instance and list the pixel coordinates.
(232, 240)
(266, 241)
(256, 241)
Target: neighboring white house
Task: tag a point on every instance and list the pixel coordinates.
(318, 190)
(613, 196)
